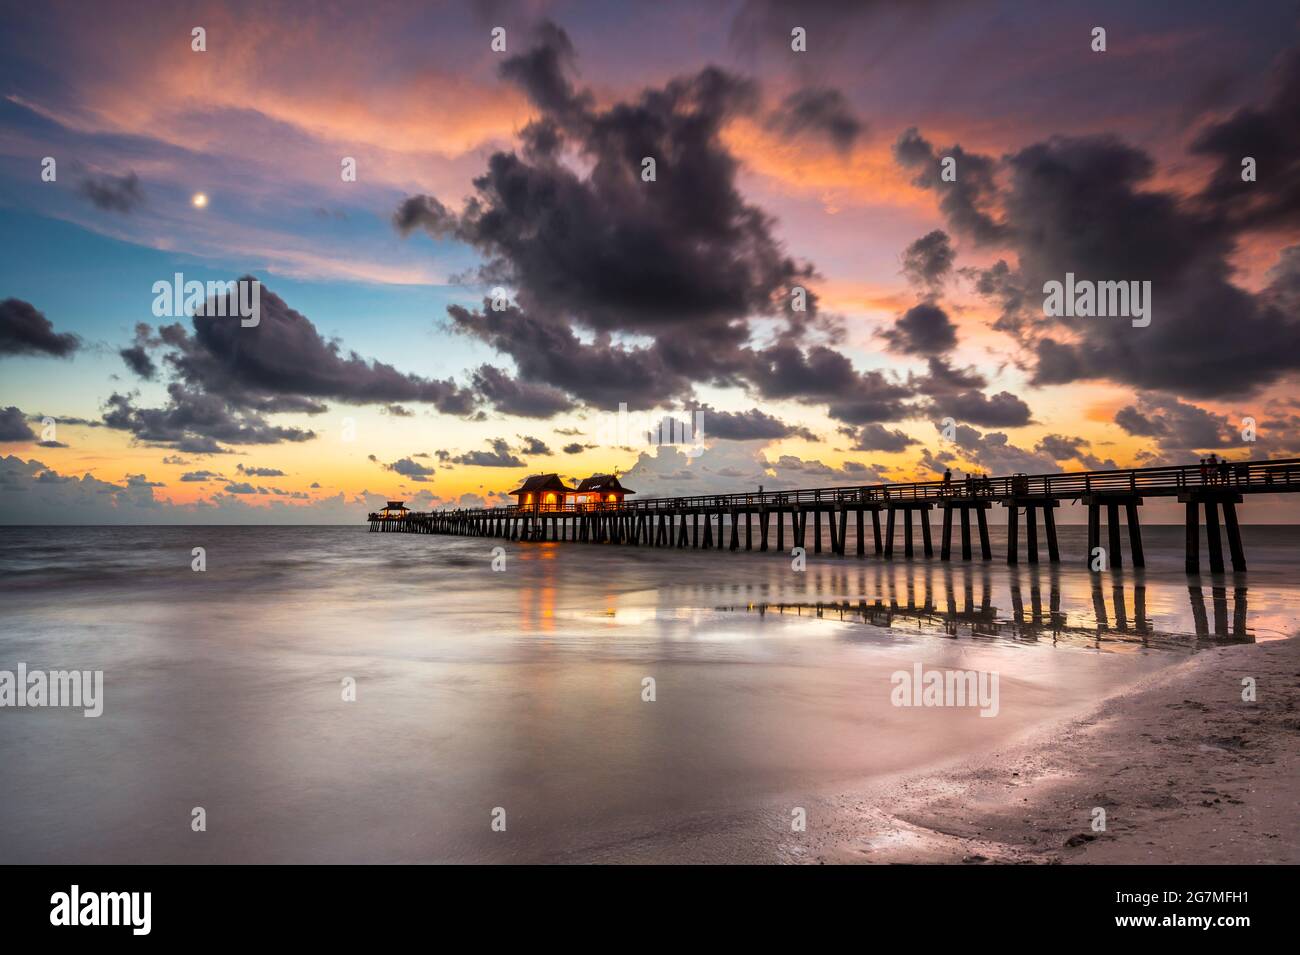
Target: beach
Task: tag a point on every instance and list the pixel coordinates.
(520, 696)
(1185, 770)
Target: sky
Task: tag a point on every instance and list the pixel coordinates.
(835, 269)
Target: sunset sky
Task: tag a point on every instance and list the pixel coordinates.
(380, 369)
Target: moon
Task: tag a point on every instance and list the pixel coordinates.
(200, 200)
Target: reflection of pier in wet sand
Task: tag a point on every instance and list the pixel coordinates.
(1035, 612)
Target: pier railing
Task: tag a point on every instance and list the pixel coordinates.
(1242, 477)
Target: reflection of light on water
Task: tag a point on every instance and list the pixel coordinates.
(619, 616)
(1118, 610)
(1112, 629)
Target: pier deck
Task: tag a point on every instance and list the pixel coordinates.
(745, 520)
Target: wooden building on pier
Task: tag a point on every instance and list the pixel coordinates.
(601, 489)
(542, 492)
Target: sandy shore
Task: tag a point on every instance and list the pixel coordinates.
(1184, 769)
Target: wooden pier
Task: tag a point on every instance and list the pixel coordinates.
(736, 521)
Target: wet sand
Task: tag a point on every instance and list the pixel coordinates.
(1185, 770)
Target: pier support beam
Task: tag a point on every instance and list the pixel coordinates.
(963, 506)
(905, 509)
(1134, 535)
(1234, 536)
(1113, 501)
(1033, 506)
(1049, 525)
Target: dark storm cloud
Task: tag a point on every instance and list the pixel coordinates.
(195, 421)
(113, 193)
(283, 363)
(601, 373)
(541, 72)
(423, 212)
(924, 329)
(1003, 410)
(1269, 134)
(14, 427)
(1177, 425)
(26, 331)
(1061, 447)
(138, 360)
(512, 396)
(943, 379)
(226, 377)
(875, 437)
(1001, 285)
(499, 457)
(1084, 205)
(994, 453)
(928, 261)
(822, 111)
(751, 425)
(533, 446)
(819, 374)
(408, 468)
(1066, 448)
(683, 262)
(965, 201)
(137, 356)
(620, 254)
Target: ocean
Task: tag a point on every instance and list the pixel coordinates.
(325, 694)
